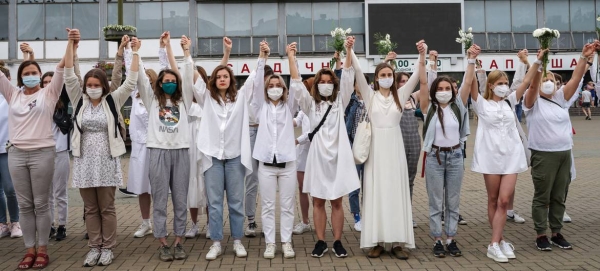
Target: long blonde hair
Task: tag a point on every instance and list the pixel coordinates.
(492, 78)
(284, 97)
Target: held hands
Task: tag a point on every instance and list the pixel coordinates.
(264, 49)
(473, 52)
(74, 35)
(135, 44)
(541, 53)
(390, 56)
(227, 44)
(433, 55)
(291, 50)
(336, 55)
(422, 47)
(523, 54)
(349, 43)
(124, 42)
(590, 48)
(165, 39)
(185, 43)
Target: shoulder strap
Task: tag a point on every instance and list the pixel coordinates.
(551, 101)
(459, 116)
(508, 102)
(113, 110)
(77, 109)
(312, 134)
(430, 113)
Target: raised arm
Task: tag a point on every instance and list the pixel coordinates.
(521, 70)
(301, 94)
(532, 93)
(481, 76)
(423, 84)
(256, 94)
(27, 51)
(227, 45)
(405, 91)
(166, 39)
(348, 75)
(163, 59)
(364, 88)
(122, 93)
(71, 81)
(468, 83)
(594, 69)
(432, 68)
(187, 80)
(117, 72)
(526, 80)
(571, 86)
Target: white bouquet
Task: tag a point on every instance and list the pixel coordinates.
(545, 36)
(339, 38)
(385, 45)
(465, 37)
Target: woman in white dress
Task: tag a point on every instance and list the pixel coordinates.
(327, 176)
(386, 173)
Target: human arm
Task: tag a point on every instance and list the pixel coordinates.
(405, 91)
(163, 59)
(257, 95)
(470, 83)
(122, 93)
(301, 94)
(117, 72)
(166, 39)
(525, 82)
(187, 76)
(338, 63)
(72, 83)
(348, 75)
(227, 45)
(28, 54)
(481, 76)
(432, 68)
(571, 86)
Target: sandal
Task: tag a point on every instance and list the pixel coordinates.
(41, 264)
(26, 265)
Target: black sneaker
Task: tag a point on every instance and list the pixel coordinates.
(339, 250)
(320, 249)
(86, 236)
(542, 243)
(438, 249)
(127, 193)
(461, 220)
(559, 241)
(453, 249)
(61, 234)
(52, 232)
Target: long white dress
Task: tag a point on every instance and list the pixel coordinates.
(196, 192)
(387, 209)
(138, 181)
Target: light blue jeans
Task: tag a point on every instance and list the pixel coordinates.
(252, 180)
(225, 175)
(353, 197)
(7, 188)
(448, 175)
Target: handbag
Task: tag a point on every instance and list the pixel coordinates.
(523, 136)
(362, 139)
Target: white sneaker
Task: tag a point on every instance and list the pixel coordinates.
(106, 257)
(4, 230)
(494, 252)
(566, 218)
(240, 251)
(288, 250)
(143, 230)
(270, 251)
(516, 218)
(301, 228)
(92, 257)
(15, 230)
(357, 226)
(194, 230)
(213, 253)
(207, 232)
(508, 250)
(250, 230)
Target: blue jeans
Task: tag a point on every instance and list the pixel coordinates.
(519, 111)
(225, 175)
(7, 188)
(252, 180)
(443, 183)
(353, 197)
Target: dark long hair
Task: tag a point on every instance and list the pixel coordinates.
(23, 66)
(101, 76)
(434, 100)
(394, 92)
(46, 74)
(160, 95)
(214, 90)
(314, 90)
(151, 74)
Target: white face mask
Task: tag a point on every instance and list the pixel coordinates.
(501, 90)
(548, 87)
(443, 97)
(94, 93)
(275, 93)
(385, 82)
(325, 89)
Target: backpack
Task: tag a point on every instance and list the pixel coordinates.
(113, 110)
(431, 111)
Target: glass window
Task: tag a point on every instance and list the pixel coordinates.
(58, 17)
(352, 15)
(322, 43)
(148, 20)
(85, 18)
(524, 17)
(128, 13)
(238, 20)
(298, 19)
(497, 16)
(582, 15)
(480, 39)
(264, 19)
(474, 15)
(304, 43)
(30, 20)
(210, 20)
(500, 41)
(325, 17)
(273, 44)
(556, 14)
(359, 43)
(3, 22)
(176, 18)
(583, 38)
(209, 47)
(526, 41)
(241, 46)
(564, 42)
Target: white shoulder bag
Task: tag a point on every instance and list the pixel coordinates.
(362, 139)
(522, 134)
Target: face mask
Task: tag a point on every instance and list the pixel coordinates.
(548, 87)
(31, 81)
(169, 88)
(275, 93)
(501, 90)
(385, 82)
(325, 89)
(94, 93)
(443, 97)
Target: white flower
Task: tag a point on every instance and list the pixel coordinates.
(348, 30)
(459, 40)
(598, 19)
(538, 33)
(387, 37)
(556, 33)
(470, 36)
(470, 29)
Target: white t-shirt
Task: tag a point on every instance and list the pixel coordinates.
(452, 128)
(168, 126)
(62, 140)
(549, 128)
(587, 96)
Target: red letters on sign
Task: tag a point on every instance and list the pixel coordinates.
(512, 65)
(311, 67)
(573, 63)
(493, 65)
(277, 68)
(325, 65)
(556, 63)
(229, 65)
(245, 68)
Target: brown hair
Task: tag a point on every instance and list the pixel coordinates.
(268, 71)
(212, 84)
(160, 95)
(202, 73)
(309, 82)
(3, 69)
(23, 65)
(557, 77)
(434, 101)
(314, 90)
(399, 77)
(284, 97)
(152, 76)
(46, 74)
(380, 67)
(101, 76)
(492, 78)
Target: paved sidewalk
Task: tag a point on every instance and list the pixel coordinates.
(583, 206)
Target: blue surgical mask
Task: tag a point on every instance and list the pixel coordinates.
(31, 81)
(169, 88)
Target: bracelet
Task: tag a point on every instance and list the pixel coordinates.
(590, 63)
(539, 62)
(583, 57)
(135, 53)
(471, 61)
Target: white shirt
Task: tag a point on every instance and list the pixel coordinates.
(587, 96)
(549, 128)
(62, 140)
(3, 124)
(303, 121)
(138, 120)
(452, 136)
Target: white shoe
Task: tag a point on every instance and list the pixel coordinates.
(92, 257)
(301, 228)
(516, 218)
(213, 253)
(194, 230)
(494, 252)
(508, 250)
(357, 226)
(250, 230)
(15, 230)
(4, 230)
(207, 232)
(288, 250)
(106, 257)
(566, 218)
(270, 251)
(143, 230)
(240, 251)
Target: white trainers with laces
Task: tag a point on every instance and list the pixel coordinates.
(508, 250)
(301, 228)
(192, 232)
(92, 257)
(270, 251)
(213, 253)
(566, 218)
(494, 252)
(288, 250)
(106, 257)
(143, 230)
(357, 226)
(239, 249)
(516, 218)
(4, 230)
(15, 230)
(207, 231)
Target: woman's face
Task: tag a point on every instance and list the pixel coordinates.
(326, 79)
(30, 70)
(444, 86)
(503, 81)
(169, 78)
(402, 81)
(385, 73)
(223, 79)
(46, 80)
(93, 83)
(274, 83)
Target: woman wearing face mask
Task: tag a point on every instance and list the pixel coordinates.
(550, 142)
(31, 153)
(330, 156)
(444, 131)
(97, 145)
(384, 223)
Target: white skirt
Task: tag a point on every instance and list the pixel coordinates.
(302, 154)
(138, 178)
